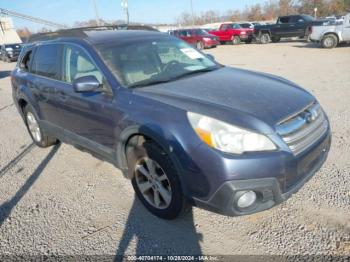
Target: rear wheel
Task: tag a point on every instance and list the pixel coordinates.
(329, 41)
(200, 45)
(275, 39)
(265, 38)
(156, 181)
(34, 129)
(236, 40)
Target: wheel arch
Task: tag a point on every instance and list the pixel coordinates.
(331, 33)
(136, 135)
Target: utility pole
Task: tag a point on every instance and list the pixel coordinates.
(193, 22)
(125, 6)
(96, 13)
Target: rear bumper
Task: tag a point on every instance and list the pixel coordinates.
(246, 38)
(211, 43)
(268, 190)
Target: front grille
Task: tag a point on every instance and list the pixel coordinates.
(303, 130)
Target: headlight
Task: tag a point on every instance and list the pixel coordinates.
(243, 33)
(9, 49)
(206, 39)
(228, 138)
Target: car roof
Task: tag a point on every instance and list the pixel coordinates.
(93, 35)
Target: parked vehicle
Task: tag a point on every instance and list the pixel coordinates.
(185, 129)
(198, 38)
(332, 34)
(286, 26)
(10, 52)
(233, 33)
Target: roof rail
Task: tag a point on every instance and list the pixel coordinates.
(80, 31)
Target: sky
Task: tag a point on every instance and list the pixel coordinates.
(143, 11)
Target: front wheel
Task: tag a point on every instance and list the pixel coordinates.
(37, 134)
(329, 41)
(156, 181)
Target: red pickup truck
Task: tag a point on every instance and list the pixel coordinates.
(233, 33)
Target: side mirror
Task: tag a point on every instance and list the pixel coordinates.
(211, 57)
(86, 84)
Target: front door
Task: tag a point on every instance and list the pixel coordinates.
(87, 118)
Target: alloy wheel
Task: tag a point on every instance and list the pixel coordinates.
(153, 183)
(329, 42)
(33, 127)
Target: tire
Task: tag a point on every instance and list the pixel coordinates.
(275, 39)
(35, 131)
(199, 45)
(164, 182)
(236, 40)
(329, 41)
(264, 39)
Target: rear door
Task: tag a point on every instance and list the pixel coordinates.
(298, 26)
(45, 76)
(282, 28)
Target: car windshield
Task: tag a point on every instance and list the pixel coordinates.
(201, 32)
(152, 61)
(308, 18)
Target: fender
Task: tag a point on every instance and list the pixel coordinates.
(331, 31)
(23, 93)
(161, 141)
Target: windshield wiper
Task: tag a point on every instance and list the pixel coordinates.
(204, 70)
(161, 81)
(148, 83)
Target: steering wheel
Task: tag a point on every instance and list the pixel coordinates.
(170, 64)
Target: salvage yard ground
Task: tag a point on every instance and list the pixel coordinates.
(60, 201)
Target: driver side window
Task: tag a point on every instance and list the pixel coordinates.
(76, 64)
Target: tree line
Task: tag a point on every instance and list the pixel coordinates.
(259, 12)
(268, 11)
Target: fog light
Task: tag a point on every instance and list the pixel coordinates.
(247, 199)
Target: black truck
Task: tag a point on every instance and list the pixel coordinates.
(10, 52)
(286, 26)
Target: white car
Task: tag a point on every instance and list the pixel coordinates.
(332, 34)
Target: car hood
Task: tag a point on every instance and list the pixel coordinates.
(263, 96)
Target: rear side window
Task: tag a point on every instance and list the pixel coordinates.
(26, 61)
(284, 20)
(46, 61)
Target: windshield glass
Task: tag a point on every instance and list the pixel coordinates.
(246, 25)
(308, 18)
(151, 61)
(201, 32)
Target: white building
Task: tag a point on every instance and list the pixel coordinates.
(8, 34)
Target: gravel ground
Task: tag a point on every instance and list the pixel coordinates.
(60, 201)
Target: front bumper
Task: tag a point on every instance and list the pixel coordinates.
(269, 191)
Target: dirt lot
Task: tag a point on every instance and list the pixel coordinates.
(64, 202)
